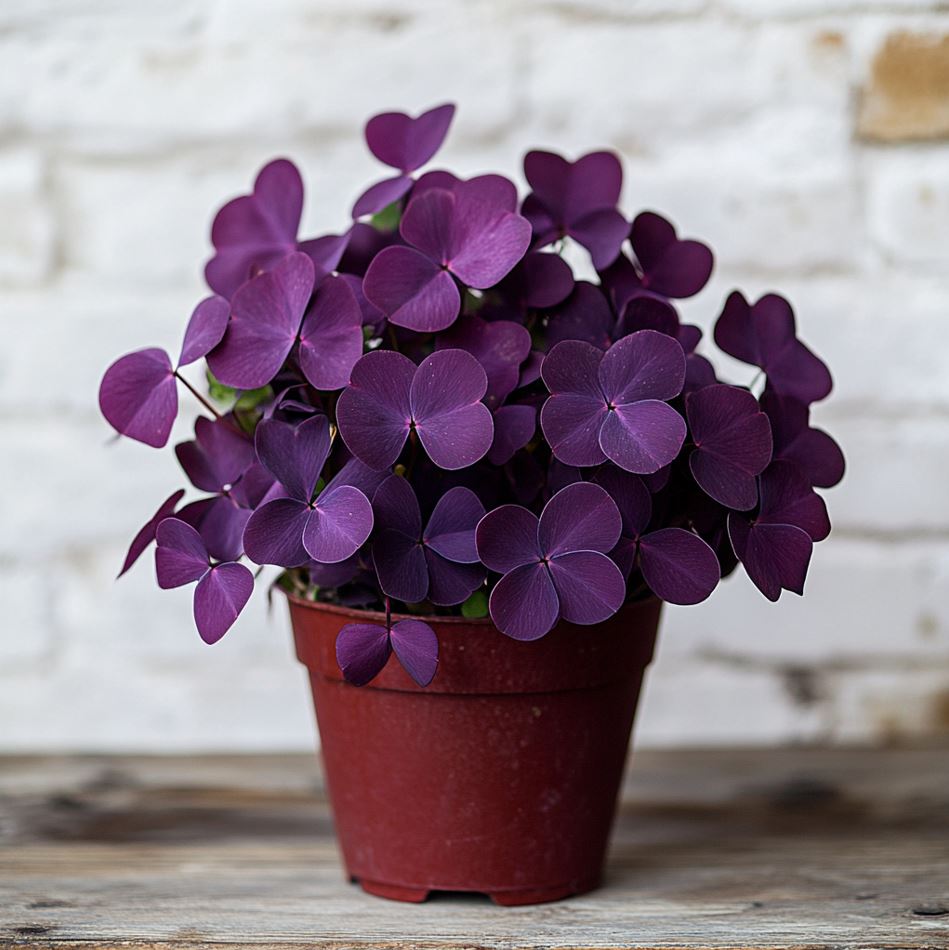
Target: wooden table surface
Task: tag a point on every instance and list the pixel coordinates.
(786, 848)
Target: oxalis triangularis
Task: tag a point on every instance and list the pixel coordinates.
(430, 410)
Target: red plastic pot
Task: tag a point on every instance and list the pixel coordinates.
(500, 777)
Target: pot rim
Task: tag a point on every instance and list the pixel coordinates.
(378, 616)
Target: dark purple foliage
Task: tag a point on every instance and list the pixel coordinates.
(290, 531)
(732, 439)
(677, 564)
(553, 566)
(439, 561)
(765, 335)
(363, 649)
(405, 144)
(255, 232)
(578, 200)
(613, 405)
(461, 236)
(428, 415)
(775, 544)
(222, 589)
(439, 402)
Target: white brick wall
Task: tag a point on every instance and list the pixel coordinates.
(122, 127)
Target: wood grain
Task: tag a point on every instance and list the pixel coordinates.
(797, 848)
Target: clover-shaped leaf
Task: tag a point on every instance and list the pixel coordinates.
(775, 544)
(463, 233)
(439, 562)
(578, 200)
(765, 335)
(389, 397)
(222, 589)
(290, 531)
(363, 649)
(677, 564)
(555, 566)
(612, 405)
(732, 438)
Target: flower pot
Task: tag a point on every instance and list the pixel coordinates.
(501, 777)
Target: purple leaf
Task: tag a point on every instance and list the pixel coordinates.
(589, 585)
(411, 290)
(222, 528)
(416, 646)
(274, 533)
(407, 143)
(450, 532)
(331, 336)
(257, 230)
(678, 565)
(205, 329)
(219, 598)
(454, 427)
(507, 538)
(580, 517)
(139, 397)
(732, 444)
(765, 336)
(787, 498)
(362, 650)
(775, 556)
(514, 427)
(181, 557)
(643, 365)
(669, 266)
(609, 405)
(325, 252)
(400, 565)
(500, 347)
(294, 454)
(645, 312)
(524, 603)
(373, 412)
(339, 523)
(817, 455)
(585, 315)
(146, 533)
(576, 199)
(265, 318)
(451, 583)
(539, 281)
(218, 455)
(475, 239)
(380, 195)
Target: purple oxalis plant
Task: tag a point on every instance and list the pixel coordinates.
(427, 413)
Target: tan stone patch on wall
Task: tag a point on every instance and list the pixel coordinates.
(907, 97)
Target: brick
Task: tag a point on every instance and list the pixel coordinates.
(906, 97)
(27, 251)
(848, 611)
(27, 637)
(694, 704)
(774, 9)
(896, 476)
(207, 78)
(890, 705)
(71, 331)
(908, 208)
(67, 489)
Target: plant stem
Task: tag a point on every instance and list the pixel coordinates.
(198, 395)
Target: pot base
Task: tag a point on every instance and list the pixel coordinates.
(506, 898)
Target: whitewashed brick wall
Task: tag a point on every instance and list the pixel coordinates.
(806, 140)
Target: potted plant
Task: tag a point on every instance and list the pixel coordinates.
(480, 477)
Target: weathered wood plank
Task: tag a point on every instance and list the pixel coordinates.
(781, 849)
